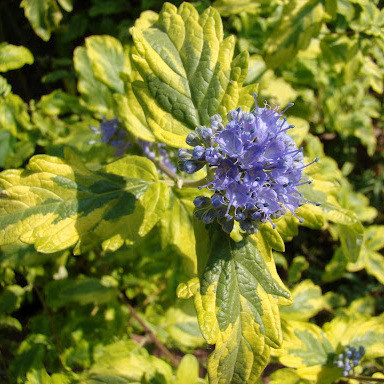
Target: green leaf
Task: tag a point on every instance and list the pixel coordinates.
(10, 298)
(44, 16)
(59, 102)
(6, 142)
(336, 268)
(54, 203)
(234, 7)
(374, 264)
(295, 32)
(307, 302)
(272, 237)
(236, 301)
(13, 57)
(131, 115)
(38, 376)
(178, 225)
(357, 330)
(96, 94)
(66, 4)
(5, 88)
(287, 376)
(125, 360)
(81, 291)
(107, 58)
(298, 266)
(304, 345)
(188, 370)
(188, 71)
(180, 325)
(14, 116)
(351, 238)
(374, 237)
(324, 193)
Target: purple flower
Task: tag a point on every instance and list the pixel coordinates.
(112, 134)
(257, 167)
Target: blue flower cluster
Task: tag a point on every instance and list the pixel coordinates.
(349, 359)
(112, 134)
(157, 150)
(257, 168)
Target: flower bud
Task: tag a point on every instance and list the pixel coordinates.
(193, 139)
(201, 201)
(184, 154)
(198, 153)
(191, 166)
(217, 200)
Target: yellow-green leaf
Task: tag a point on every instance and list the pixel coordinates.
(54, 203)
(236, 301)
(357, 330)
(96, 94)
(44, 16)
(188, 70)
(304, 345)
(107, 58)
(307, 302)
(13, 57)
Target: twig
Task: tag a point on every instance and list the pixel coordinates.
(368, 379)
(154, 338)
(180, 181)
(365, 379)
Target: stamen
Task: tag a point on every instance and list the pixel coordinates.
(289, 105)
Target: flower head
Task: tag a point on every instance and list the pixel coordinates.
(112, 134)
(257, 168)
(349, 359)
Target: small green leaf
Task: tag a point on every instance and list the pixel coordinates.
(357, 330)
(236, 301)
(125, 360)
(96, 94)
(298, 266)
(13, 57)
(107, 58)
(10, 298)
(178, 225)
(272, 237)
(188, 71)
(304, 345)
(188, 370)
(234, 7)
(287, 376)
(374, 264)
(351, 238)
(307, 302)
(59, 102)
(374, 237)
(295, 32)
(44, 16)
(81, 291)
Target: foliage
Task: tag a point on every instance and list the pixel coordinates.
(106, 275)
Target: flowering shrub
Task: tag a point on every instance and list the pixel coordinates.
(160, 224)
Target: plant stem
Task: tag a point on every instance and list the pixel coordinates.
(154, 338)
(180, 181)
(365, 379)
(368, 379)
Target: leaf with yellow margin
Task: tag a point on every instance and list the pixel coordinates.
(188, 71)
(237, 307)
(56, 203)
